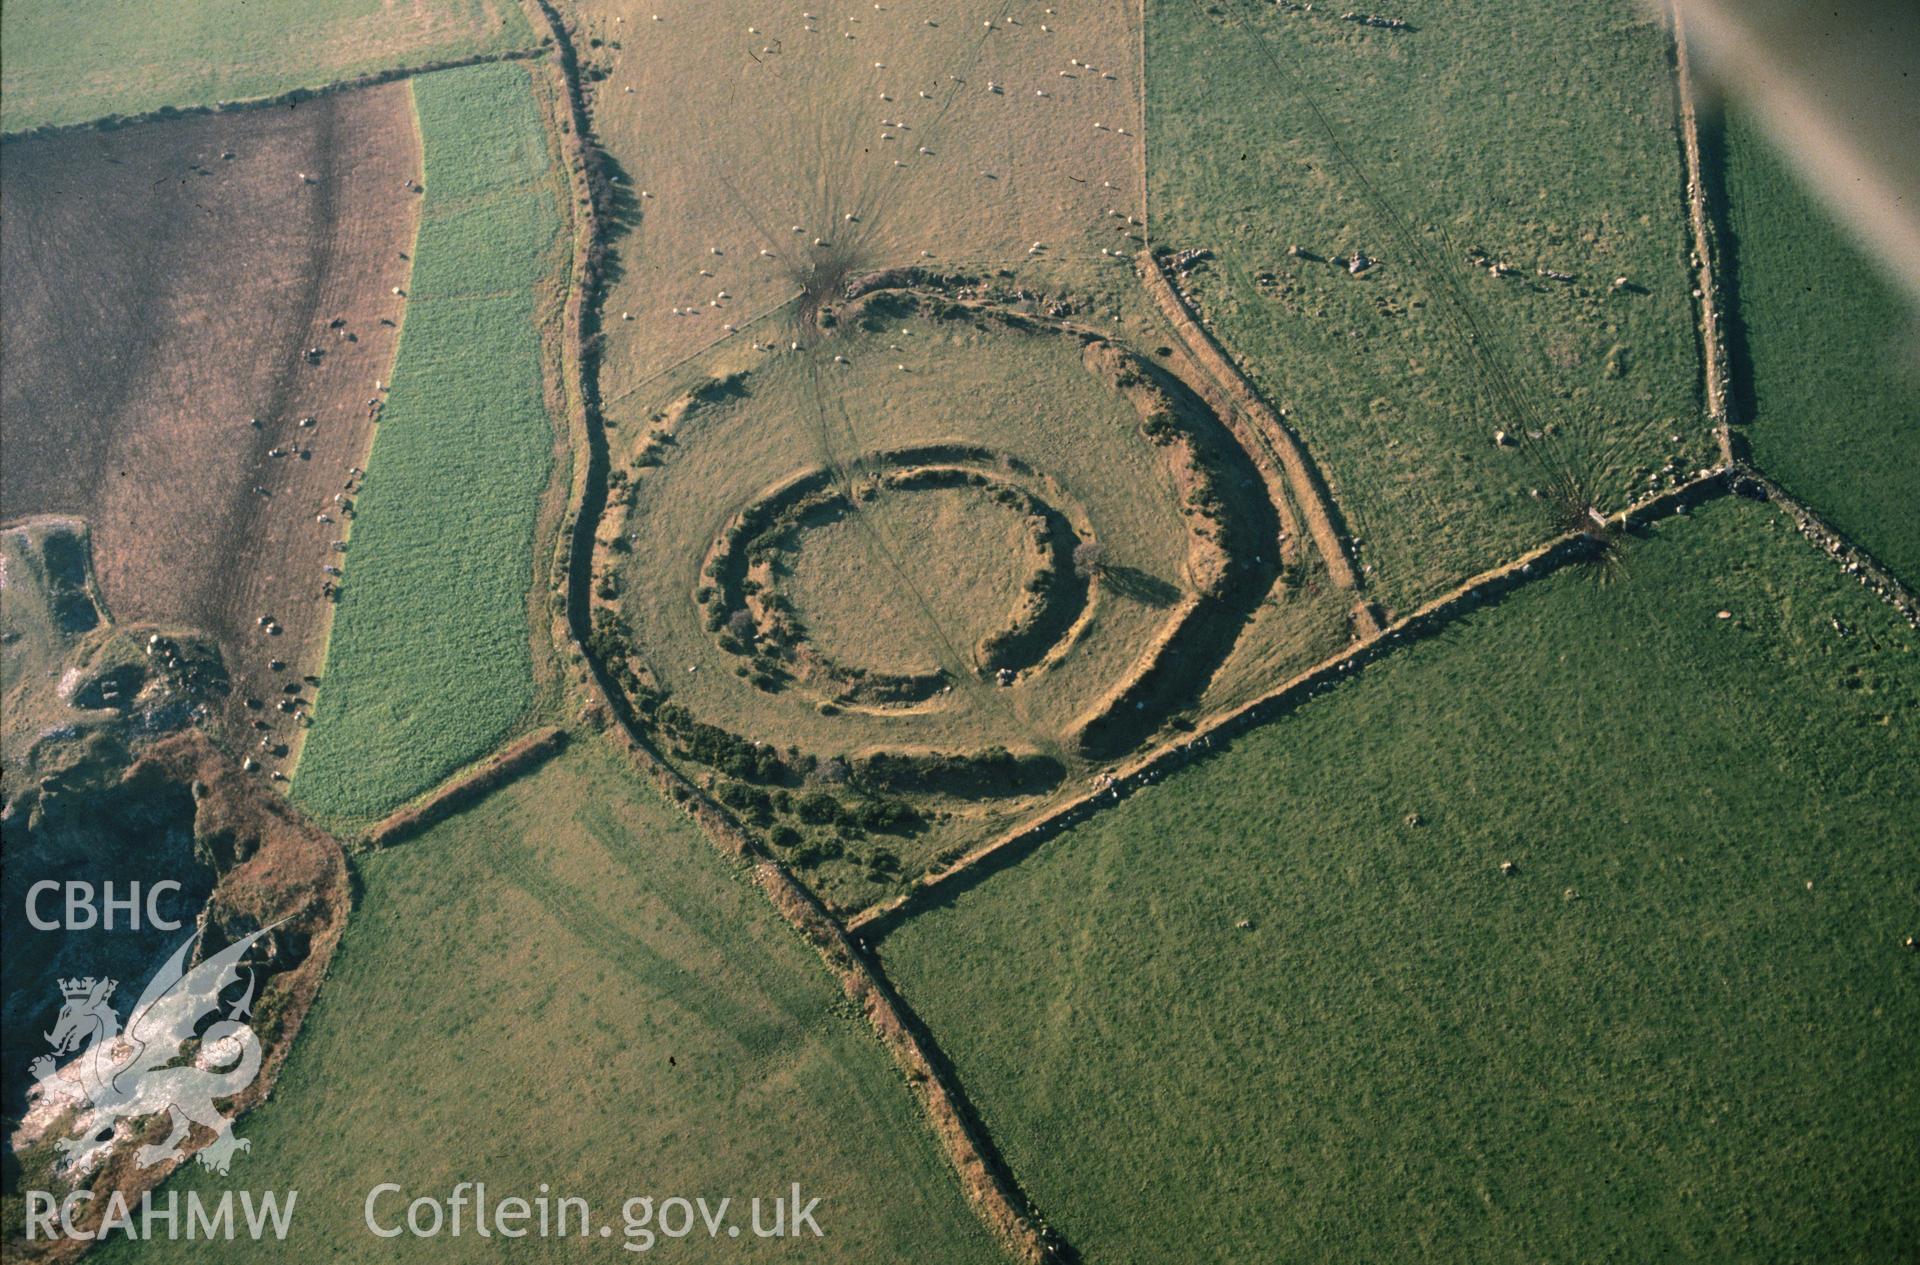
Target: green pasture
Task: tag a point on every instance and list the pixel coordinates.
(1542, 136)
(68, 63)
(566, 984)
(1825, 352)
(429, 664)
(1680, 1030)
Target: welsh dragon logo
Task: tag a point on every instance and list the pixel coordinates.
(123, 1077)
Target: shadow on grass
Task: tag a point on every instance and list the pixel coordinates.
(1148, 590)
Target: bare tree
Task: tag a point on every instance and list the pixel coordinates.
(1089, 556)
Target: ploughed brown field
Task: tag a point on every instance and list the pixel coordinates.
(165, 283)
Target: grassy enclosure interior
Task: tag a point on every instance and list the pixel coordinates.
(966, 553)
(915, 580)
(131, 57)
(1025, 395)
(1681, 1029)
(429, 663)
(1492, 132)
(1824, 350)
(565, 984)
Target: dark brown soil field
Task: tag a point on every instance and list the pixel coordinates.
(164, 284)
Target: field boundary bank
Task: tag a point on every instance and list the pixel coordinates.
(1437, 613)
(1713, 346)
(292, 96)
(1849, 557)
(985, 1180)
(363, 459)
(1310, 490)
(466, 789)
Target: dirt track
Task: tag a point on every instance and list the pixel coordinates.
(158, 295)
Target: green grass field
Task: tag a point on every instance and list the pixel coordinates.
(127, 57)
(1682, 1031)
(1542, 136)
(565, 984)
(1825, 354)
(429, 663)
